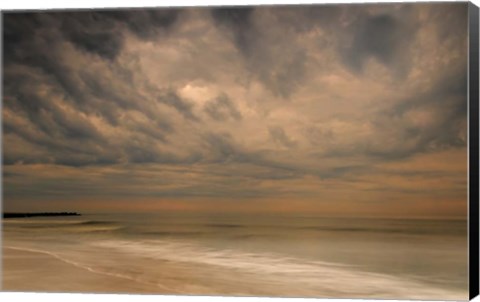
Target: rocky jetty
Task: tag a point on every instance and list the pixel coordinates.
(42, 214)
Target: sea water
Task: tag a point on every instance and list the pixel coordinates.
(258, 255)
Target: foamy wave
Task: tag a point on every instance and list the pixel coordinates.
(312, 278)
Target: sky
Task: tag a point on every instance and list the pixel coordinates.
(334, 110)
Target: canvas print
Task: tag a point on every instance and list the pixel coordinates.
(281, 151)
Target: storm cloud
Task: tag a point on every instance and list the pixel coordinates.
(320, 103)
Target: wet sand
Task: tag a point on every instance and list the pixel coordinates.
(28, 271)
(32, 271)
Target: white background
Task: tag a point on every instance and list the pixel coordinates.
(47, 4)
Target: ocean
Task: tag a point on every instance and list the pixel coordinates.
(254, 255)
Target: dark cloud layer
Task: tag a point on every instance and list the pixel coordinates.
(97, 32)
(280, 71)
(239, 21)
(35, 44)
(383, 37)
(258, 99)
(37, 40)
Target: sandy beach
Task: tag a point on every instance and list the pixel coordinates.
(193, 256)
(29, 271)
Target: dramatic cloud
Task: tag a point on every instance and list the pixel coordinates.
(335, 109)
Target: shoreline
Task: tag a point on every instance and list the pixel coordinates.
(52, 260)
(22, 273)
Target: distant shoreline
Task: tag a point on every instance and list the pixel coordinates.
(43, 214)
